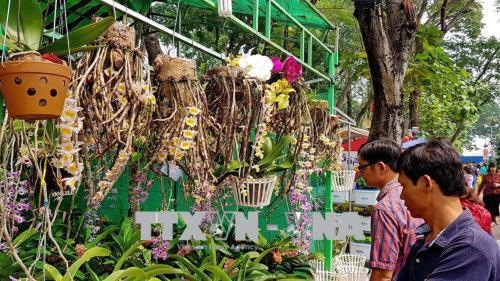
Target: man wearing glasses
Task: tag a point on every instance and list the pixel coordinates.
(392, 227)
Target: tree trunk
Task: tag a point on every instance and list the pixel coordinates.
(347, 87)
(365, 107)
(349, 102)
(413, 109)
(388, 44)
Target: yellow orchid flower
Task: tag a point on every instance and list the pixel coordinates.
(73, 168)
(65, 130)
(194, 110)
(69, 114)
(191, 122)
(179, 155)
(122, 88)
(67, 158)
(176, 140)
(103, 185)
(108, 71)
(162, 156)
(172, 150)
(189, 134)
(270, 97)
(185, 145)
(145, 88)
(283, 101)
(67, 147)
(283, 83)
(275, 87)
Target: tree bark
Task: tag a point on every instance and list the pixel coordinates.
(345, 89)
(152, 46)
(366, 106)
(388, 47)
(413, 109)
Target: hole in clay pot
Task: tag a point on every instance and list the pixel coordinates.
(18, 80)
(53, 92)
(31, 91)
(43, 80)
(42, 102)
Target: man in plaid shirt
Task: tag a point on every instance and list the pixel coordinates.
(392, 227)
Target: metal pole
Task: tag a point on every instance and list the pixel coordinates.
(349, 159)
(328, 250)
(132, 14)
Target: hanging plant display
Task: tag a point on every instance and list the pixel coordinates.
(114, 88)
(235, 104)
(325, 135)
(181, 127)
(256, 126)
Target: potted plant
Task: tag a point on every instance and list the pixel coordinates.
(257, 174)
(34, 81)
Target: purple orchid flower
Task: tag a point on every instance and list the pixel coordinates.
(277, 64)
(291, 69)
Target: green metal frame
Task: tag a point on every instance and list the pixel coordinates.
(306, 35)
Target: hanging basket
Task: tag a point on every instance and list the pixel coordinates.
(350, 260)
(354, 273)
(34, 89)
(330, 276)
(317, 265)
(343, 180)
(254, 192)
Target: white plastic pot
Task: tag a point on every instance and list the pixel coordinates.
(343, 180)
(255, 192)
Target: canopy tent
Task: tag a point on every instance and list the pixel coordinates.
(355, 132)
(356, 143)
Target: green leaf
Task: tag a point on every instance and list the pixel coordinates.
(93, 275)
(106, 232)
(80, 49)
(131, 273)
(24, 236)
(89, 254)
(30, 22)
(219, 272)
(276, 168)
(157, 269)
(277, 151)
(79, 37)
(8, 43)
(267, 146)
(242, 272)
(52, 272)
(192, 267)
(125, 255)
(421, 56)
(211, 245)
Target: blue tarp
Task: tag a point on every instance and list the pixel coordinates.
(475, 158)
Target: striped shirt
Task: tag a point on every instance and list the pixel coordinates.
(393, 229)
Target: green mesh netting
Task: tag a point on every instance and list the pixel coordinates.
(80, 12)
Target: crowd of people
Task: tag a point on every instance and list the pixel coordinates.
(430, 222)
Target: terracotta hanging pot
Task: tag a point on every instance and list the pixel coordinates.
(34, 89)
